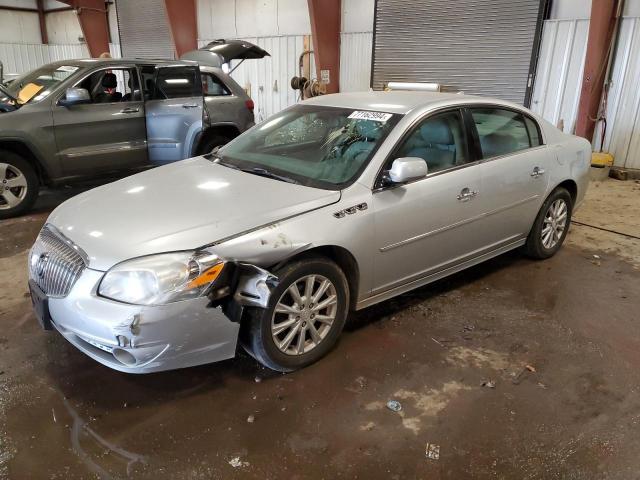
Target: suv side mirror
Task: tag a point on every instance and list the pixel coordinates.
(407, 168)
(75, 96)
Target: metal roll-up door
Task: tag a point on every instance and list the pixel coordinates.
(479, 47)
(144, 29)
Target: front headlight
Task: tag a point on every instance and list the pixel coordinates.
(161, 279)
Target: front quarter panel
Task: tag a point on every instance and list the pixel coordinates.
(271, 245)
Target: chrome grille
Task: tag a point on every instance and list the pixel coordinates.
(55, 262)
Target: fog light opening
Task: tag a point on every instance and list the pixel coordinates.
(124, 357)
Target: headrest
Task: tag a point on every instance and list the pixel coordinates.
(109, 80)
(369, 129)
(437, 131)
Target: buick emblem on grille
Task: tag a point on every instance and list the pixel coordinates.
(41, 264)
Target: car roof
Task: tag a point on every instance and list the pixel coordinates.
(400, 102)
(90, 62)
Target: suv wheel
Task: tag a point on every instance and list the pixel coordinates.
(211, 142)
(18, 184)
(551, 225)
(304, 318)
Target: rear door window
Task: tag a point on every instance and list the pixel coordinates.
(177, 82)
(500, 131)
(212, 86)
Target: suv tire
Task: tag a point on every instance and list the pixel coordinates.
(19, 184)
(292, 332)
(211, 142)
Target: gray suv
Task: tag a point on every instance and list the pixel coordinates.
(78, 119)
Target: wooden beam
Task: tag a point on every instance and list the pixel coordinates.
(601, 25)
(183, 24)
(43, 22)
(325, 18)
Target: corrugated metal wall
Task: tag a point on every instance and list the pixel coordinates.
(268, 79)
(556, 90)
(623, 107)
(355, 61)
(144, 29)
(20, 58)
(479, 47)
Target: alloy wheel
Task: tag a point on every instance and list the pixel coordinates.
(555, 222)
(13, 186)
(304, 314)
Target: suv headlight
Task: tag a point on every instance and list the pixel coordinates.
(161, 279)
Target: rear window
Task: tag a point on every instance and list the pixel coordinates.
(177, 82)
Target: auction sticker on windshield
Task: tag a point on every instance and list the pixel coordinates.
(375, 116)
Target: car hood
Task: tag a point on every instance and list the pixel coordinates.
(181, 206)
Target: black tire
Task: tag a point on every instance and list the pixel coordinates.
(16, 165)
(535, 247)
(257, 338)
(210, 142)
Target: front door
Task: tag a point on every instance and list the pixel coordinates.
(174, 113)
(514, 173)
(108, 134)
(426, 226)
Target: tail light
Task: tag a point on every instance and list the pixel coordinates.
(250, 105)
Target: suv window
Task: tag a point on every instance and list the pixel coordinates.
(212, 86)
(177, 82)
(111, 85)
(439, 140)
(500, 131)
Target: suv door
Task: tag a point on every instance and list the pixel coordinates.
(108, 133)
(426, 226)
(174, 112)
(514, 166)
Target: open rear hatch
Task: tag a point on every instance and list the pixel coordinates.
(219, 52)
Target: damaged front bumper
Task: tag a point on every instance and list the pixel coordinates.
(145, 339)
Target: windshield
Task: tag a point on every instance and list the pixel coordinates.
(38, 84)
(323, 147)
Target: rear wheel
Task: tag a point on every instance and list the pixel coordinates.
(304, 318)
(551, 225)
(18, 184)
(211, 142)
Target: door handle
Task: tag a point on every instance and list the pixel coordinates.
(190, 105)
(466, 194)
(130, 110)
(537, 171)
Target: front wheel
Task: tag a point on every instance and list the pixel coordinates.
(304, 318)
(18, 184)
(551, 225)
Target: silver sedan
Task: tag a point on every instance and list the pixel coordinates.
(330, 206)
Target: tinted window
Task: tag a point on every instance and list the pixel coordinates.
(177, 82)
(500, 131)
(439, 140)
(534, 132)
(212, 86)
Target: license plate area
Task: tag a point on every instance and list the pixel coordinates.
(40, 304)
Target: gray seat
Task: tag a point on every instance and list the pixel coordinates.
(496, 144)
(433, 142)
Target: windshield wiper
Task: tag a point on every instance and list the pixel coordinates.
(266, 173)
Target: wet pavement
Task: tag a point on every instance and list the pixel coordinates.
(558, 340)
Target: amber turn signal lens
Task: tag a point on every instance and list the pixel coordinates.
(206, 277)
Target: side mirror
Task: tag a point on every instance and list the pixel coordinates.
(406, 169)
(75, 96)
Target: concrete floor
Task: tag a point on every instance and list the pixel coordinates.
(559, 339)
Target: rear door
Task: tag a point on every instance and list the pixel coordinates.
(107, 134)
(174, 112)
(515, 166)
